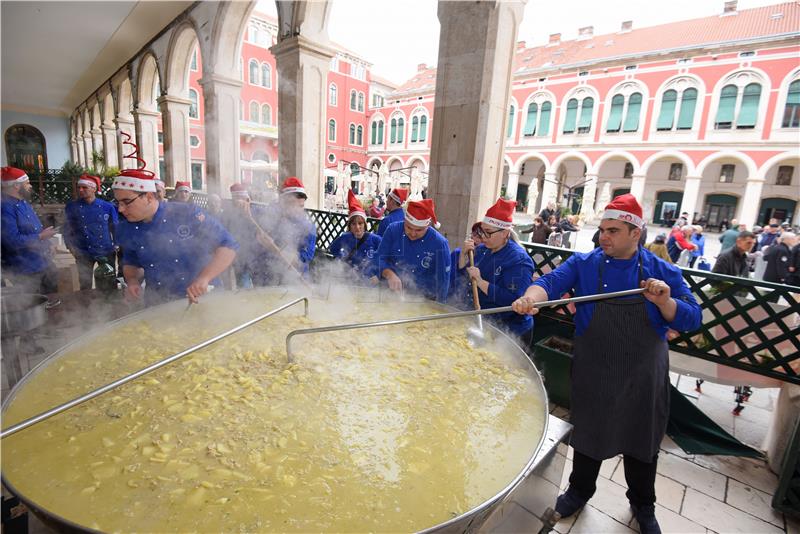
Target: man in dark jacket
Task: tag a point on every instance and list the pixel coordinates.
(778, 258)
(794, 267)
(733, 261)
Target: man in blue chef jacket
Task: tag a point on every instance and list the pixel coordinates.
(620, 367)
(25, 243)
(172, 246)
(88, 229)
(394, 209)
(412, 254)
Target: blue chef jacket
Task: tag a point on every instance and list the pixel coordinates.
(364, 259)
(581, 271)
(295, 232)
(392, 217)
(423, 264)
(509, 272)
(172, 248)
(88, 227)
(22, 251)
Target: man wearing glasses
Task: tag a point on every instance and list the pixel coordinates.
(173, 247)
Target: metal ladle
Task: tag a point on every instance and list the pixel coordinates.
(471, 333)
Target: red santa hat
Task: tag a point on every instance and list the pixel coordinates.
(139, 180)
(239, 191)
(293, 185)
(399, 195)
(90, 181)
(354, 207)
(501, 215)
(13, 175)
(183, 186)
(625, 208)
(422, 213)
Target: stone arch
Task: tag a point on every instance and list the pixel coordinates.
(732, 154)
(374, 160)
(741, 77)
(394, 160)
(533, 154)
(690, 169)
(615, 154)
(776, 159)
(783, 93)
(108, 110)
(413, 159)
(220, 54)
(147, 80)
(125, 100)
(572, 154)
(182, 44)
(96, 121)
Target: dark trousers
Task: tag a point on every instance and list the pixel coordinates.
(640, 476)
(44, 282)
(85, 265)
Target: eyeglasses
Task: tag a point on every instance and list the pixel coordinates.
(128, 201)
(486, 235)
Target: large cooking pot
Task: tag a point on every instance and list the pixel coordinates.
(98, 458)
(22, 311)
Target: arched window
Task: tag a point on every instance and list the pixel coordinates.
(544, 119)
(332, 131)
(571, 117)
(352, 134)
(531, 120)
(254, 72)
(667, 115)
(727, 108)
(266, 75)
(373, 133)
(791, 113)
(25, 148)
(615, 115)
(688, 105)
(380, 132)
(194, 112)
(332, 94)
(414, 129)
(360, 135)
(254, 112)
(266, 114)
(510, 128)
(393, 131)
(400, 133)
(360, 101)
(748, 108)
(748, 113)
(423, 129)
(634, 110)
(353, 97)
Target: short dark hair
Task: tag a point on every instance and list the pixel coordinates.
(745, 234)
(631, 226)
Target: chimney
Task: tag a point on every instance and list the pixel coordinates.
(520, 45)
(421, 67)
(627, 26)
(730, 7)
(555, 38)
(586, 32)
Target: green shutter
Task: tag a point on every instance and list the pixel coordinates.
(393, 134)
(615, 115)
(373, 136)
(748, 114)
(544, 119)
(791, 114)
(352, 134)
(585, 122)
(727, 107)
(400, 133)
(572, 112)
(510, 128)
(530, 122)
(423, 128)
(414, 129)
(667, 115)
(688, 103)
(634, 109)
(380, 132)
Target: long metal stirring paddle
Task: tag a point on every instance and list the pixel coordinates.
(453, 315)
(149, 369)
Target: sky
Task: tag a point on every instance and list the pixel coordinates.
(396, 35)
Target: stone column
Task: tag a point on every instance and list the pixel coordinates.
(146, 123)
(751, 201)
(177, 151)
(81, 150)
(127, 126)
(549, 189)
(303, 67)
(589, 194)
(637, 186)
(533, 196)
(691, 192)
(110, 146)
(76, 155)
(476, 50)
(512, 186)
(87, 149)
(221, 98)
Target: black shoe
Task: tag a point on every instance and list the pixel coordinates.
(568, 503)
(646, 517)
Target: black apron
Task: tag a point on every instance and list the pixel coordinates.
(620, 381)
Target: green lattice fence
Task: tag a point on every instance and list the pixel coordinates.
(331, 225)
